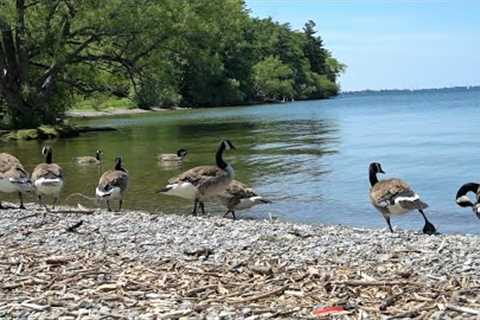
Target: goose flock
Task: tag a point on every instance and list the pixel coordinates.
(201, 184)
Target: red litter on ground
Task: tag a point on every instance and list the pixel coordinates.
(326, 311)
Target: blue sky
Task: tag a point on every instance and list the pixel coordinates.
(389, 44)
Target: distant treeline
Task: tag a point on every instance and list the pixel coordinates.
(56, 53)
(400, 91)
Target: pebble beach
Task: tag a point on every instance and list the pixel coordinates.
(94, 264)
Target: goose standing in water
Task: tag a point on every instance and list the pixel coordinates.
(113, 184)
(13, 177)
(463, 200)
(90, 160)
(238, 196)
(395, 197)
(203, 182)
(48, 178)
(173, 157)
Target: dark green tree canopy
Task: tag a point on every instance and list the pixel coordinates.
(54, 53)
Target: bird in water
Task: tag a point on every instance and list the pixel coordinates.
(113, 184)
(464, 201)
(13, 177)
(395, 197)
(204, 182)
(90, 160)
(238, 196)
(173, 157)
(48, 178)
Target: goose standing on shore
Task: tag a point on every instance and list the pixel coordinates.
(90, 160)
(204, 182)
(463, 200)
(13, 177)
(173, 157)
(238, 196)
(48, 178)
(113, 184)
(395, 197)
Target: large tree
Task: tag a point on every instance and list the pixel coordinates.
(50, 49)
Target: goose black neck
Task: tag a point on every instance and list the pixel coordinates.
(466, 188)
(48, 157)
(373, 177)
(219, 157)
(97, 156)
(118, 166)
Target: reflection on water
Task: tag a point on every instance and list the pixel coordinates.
(310, 158)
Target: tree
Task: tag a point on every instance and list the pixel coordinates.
(52, 48)
(273, 79)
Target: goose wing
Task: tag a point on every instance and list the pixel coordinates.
(198, 175)
(113, 178)
(390, 192)
(7, 162)
(47, 170)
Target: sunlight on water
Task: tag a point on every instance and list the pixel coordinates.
(310, 158)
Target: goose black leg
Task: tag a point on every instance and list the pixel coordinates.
(55, 201)
(20, 196)
(40, 201)
(120, 202)
(234, 217)
(226, 213)
(108, 206)
(429, 228)
(387, 218)
(202, 206)
(195, 205)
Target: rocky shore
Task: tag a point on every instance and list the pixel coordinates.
(93, 264)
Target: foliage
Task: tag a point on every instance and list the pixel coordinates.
(56, 53)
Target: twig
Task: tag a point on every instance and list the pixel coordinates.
(262, 296)
(74, 227)
(463, 309)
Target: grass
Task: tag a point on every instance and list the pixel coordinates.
(103, 103)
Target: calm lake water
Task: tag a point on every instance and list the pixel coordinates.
(311, 158)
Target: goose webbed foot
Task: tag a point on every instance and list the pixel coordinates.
(428, 228)
(22, 206)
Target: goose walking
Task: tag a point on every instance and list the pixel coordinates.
(238, 196)
(13, 177)
(203, 182)
(395, 197)
(463, 200)
(48, 178)
(90, 160)
(113, 184)
(173, 157)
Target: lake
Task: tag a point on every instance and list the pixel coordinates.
(310, 158)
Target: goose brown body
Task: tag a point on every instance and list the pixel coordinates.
(13, 177)
(239, 196)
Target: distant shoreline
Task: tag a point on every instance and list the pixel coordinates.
(424, 90)
(114, 112)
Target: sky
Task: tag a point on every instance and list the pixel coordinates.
(391, 44)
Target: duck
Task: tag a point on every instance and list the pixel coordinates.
(238, 196)
(13, 177)
(464, 201)
(90, 160)
(173, 157)
(48, 178)
(203, 182)
(113, 184)
(395, 197)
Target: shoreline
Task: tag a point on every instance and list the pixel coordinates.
(136, 264)
(115, 112)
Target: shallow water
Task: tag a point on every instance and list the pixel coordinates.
(310, 158)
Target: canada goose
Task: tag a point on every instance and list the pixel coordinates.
(238, 196)
(395, 197)
(90, 159)
(48, 178)
(13, 177)
(113, 184)
(463, 200)
(203, 182)
(176, 157)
